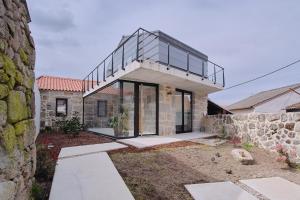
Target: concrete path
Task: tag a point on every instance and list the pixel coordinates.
(88, 177)
(88, 149)
(149, 141)
(218, 191)
(274, 188)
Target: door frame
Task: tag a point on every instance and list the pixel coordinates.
(137, 104)
(182, 108)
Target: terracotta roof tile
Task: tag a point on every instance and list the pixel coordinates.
(59, 83)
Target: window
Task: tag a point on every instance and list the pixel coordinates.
(61, 107)
(102, 108)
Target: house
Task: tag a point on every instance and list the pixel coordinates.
(284, 99)
(59, 97)
(150, 84)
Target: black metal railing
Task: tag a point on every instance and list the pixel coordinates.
(144, 45)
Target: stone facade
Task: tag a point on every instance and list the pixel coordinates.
(48, 106)
(167, 110)
(17, 129)
(264, 130)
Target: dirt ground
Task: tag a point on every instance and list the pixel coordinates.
(58, 140)
(162, 172)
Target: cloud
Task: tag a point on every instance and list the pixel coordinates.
(248, 38)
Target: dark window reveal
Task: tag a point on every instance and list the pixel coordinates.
(102, 108)
(61, 107)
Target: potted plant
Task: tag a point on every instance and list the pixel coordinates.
(114, 123)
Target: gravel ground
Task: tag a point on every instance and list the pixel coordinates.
(162, 172)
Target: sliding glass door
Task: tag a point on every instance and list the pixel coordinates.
(147, 109)
(183, 106)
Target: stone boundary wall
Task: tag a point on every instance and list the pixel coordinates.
(17, 102)
(264, 130)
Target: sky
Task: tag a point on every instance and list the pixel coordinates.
(247, 38)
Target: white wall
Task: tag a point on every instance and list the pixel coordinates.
(279, 104)
(37, 108)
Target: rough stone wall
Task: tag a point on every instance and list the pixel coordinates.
(17, 130)
(167, 110)
(264, 130)
(48, 106)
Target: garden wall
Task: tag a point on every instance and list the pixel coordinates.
(17, 129)
(264, 130)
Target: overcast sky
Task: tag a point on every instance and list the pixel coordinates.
(247, 38)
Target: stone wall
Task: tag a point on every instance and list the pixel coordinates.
(48, 106)
(264, 130)
(167, 110)
(17, 130)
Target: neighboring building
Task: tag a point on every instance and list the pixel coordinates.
(271, 101)
(59, 97)
(151, 84)
(293, 108)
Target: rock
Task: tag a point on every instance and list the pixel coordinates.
(3, 77)
(3, 91)
(261, 118)
(17, 109)
(213, 159)
(3, 113)
(273, 127)
(291, 134)
(251, 126)
(290, 126)
(284, 117)
(218, 154)
(297, 127)
(7, 190)
(8, 138)
(228, 171)
(242, 156)
(273, 117)
(24, 127)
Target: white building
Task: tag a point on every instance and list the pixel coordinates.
(271, 101)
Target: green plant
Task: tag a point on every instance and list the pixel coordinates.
(37, 192)
(45, 164)
(223, 134)
(72, 126)
(248, 146)
(120, 123)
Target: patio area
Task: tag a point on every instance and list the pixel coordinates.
(153, 140)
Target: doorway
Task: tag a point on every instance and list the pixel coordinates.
(183, 107)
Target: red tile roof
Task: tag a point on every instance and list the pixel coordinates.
(59, 83)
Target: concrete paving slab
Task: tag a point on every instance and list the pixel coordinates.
(210, 141)
(218, 191)
(274, 188)
(88, 149)
(149, 141)
(88, 177)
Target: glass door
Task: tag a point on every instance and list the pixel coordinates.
(183, 106)
(147, 109)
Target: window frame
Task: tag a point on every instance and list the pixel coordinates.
(105, 108)
(66, 101)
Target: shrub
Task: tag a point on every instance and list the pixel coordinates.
(37, 192)
(45, 165)
(286, 155)
(72, 126)
(248, 146)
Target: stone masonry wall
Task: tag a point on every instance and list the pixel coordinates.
(264, 130)
(167, 110)
(48, 106)
(17, 129)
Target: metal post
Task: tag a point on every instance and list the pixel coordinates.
(83, 85)
(112, 64)
(215, 76)
(137, 45)
(123, 66)
(168, 56)
(97, 75)
(92, 79)
(188, 63)
(202, 70)
(223, 78)
(104, 71)
(88, 88)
